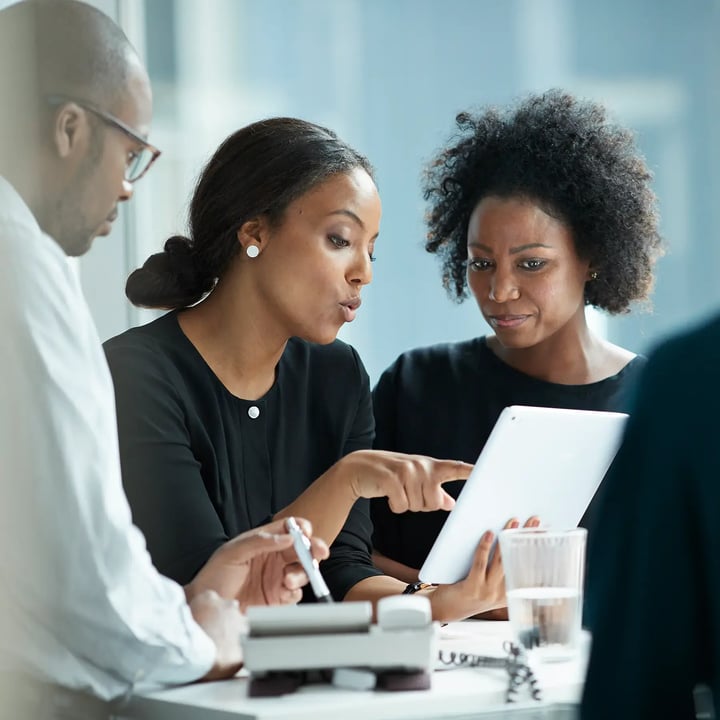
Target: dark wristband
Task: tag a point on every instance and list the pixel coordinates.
(414, 587)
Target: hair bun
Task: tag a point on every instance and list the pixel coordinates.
(169, 279)
(179, 253)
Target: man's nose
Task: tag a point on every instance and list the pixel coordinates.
(127, 191)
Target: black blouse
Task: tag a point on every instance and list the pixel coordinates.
(443, 401)
(201, 465)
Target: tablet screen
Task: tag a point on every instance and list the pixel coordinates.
(539, 461)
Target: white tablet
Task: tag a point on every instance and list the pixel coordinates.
(537, 461)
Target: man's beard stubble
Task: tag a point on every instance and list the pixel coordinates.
(75, 236)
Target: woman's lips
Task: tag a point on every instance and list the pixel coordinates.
(507, 321)
(350, 308)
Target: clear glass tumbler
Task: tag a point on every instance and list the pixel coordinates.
(544, 571)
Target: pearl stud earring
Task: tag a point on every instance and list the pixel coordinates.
(252, 251)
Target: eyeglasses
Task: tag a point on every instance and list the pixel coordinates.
(139, 162)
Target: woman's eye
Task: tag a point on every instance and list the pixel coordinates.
(533, 264)
(372, 257)
(478, 265)
(337, 241)
(131, 158)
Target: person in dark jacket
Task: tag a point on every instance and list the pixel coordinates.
(653, 589)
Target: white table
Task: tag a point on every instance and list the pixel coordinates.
(463, 693)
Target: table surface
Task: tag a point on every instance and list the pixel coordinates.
(458, 693)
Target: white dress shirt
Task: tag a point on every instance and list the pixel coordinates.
(80, 601)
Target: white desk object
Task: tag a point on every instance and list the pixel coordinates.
(397, 652)
(464, 693)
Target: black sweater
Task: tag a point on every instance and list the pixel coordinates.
(443, 401)
(198, 466)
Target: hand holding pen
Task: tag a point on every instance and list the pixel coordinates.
(261, 566)
(303, 548)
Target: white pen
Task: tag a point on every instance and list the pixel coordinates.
(303, 549)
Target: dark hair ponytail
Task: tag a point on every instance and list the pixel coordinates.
(259, 170)
(169, 279)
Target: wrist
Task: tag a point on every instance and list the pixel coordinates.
(346, 468)
(444, 604)
(438, 600)
(415, 587)
(190, 592)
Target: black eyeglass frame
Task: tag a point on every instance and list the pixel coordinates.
(111, 120)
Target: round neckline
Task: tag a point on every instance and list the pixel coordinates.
(173, 319)
(509, 369)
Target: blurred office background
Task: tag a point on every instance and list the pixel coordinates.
(389, 76)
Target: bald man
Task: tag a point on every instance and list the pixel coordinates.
(85, 619)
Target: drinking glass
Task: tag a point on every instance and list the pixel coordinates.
(544, 571)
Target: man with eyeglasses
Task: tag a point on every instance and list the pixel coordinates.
(84, 616)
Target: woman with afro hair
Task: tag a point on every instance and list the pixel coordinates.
(537, 212)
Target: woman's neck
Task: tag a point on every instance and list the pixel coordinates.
(237, 341)
(573, 356)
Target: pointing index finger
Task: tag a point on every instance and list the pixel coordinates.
(446, 470)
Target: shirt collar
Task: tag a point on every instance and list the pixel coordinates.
(12, 204)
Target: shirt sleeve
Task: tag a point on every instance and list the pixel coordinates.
(350, 555)
(652, 560)
(160, 472)
(79, 586)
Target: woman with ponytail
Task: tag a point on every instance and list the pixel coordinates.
(240, 404)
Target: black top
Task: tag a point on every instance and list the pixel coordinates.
(200, 465)
(653, 588)
(443, 401)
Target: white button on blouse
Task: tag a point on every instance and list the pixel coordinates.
(254, 412)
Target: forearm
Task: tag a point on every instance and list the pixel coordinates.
(375, 588)
(326, 504)
(394, 568)
(449, 603)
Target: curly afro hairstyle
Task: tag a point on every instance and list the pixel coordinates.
(563, 154)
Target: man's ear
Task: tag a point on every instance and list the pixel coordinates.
(71, 129)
